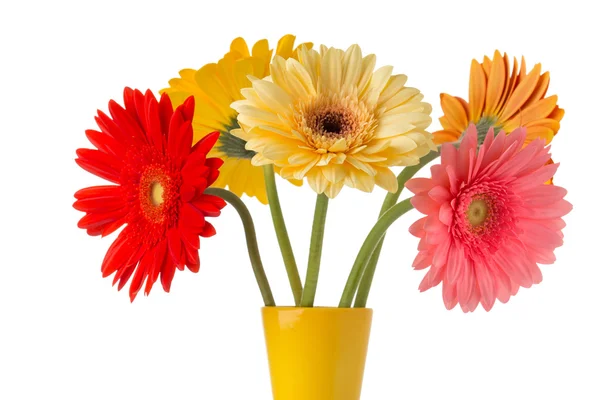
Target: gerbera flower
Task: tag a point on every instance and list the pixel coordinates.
(145, 149)
(501, 99)
(215, 86)
(328, 117)
(490, 218)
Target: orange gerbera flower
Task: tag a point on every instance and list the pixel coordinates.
(504, 100)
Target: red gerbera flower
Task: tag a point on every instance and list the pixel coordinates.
(146, 150)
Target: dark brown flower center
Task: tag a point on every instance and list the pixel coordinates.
(333, 122)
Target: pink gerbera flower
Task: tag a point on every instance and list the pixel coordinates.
(490, 218)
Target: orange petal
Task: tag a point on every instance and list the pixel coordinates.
(540, 90)
(539, 132)
(537, 111)
(521, 93)
(455, 112)
(477, 85)
(557, 114)
(510, 85)
(547, 122)
(495, 84)
(487, 65)
(444, 136)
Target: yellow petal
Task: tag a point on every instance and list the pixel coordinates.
(352, 62)
(239, 45)
(386, 179)
(395, 93)
(366, 70)
(334, 173)
(299, 80)
(334, 189)
(285, 46)
(317, 181)
(339, 145)
(331, 71)
(273, 96)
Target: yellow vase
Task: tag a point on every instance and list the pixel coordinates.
(317, 353)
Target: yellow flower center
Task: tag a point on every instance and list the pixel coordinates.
(477, 212)
(156, 193)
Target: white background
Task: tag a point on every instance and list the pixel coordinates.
(65, 333)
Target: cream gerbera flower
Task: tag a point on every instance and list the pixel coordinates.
(214, 87)
(328, 117)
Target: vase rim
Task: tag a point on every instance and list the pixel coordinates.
(320, 308)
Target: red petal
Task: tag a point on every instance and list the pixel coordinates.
(166, 274)
(159, 254)
(141, 273)
(193, 260)
(117, 255)
(99, 221)
(98, 192)
(214, 162)
(153, 124)
(108, 126)
(175, 247)
(206, 143)
(127, 124)
(105, 143)
(187, 192)
(191, 219)
(209, 230)
(187, 108)
(99, 164)
(190, 239)
(208, 209)
(214, 200)
(165, 110)
(99, 205)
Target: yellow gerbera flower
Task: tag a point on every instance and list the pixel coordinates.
(215, 86)
(504, 100)
(328, 117)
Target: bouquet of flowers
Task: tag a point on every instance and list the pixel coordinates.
(328, 117)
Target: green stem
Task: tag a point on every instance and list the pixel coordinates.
(282, 235)
(253, 252)
(316, 245)
(390, 200)
(368, 247)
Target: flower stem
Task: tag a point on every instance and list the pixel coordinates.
(390, 200)
(373, 239)
(282, 235)
(316, 246)
(253, 252)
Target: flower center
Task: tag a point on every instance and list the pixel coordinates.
(333, 122)
(156, 193)
(477, 212)
(329, 120)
